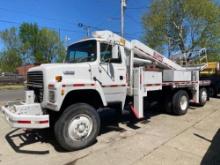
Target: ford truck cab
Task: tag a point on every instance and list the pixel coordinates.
(93, 76)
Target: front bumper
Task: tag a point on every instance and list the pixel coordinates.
(23, 115)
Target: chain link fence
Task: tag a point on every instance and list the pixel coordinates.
(11, 78)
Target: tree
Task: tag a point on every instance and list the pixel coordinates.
(40, 45)
(182, 25)
(29, 45)
(10, 57)
(28, 34)
(10, 38)
(50, 46)
(10, 60)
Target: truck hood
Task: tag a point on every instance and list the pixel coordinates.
(58, 66)
(69, 72)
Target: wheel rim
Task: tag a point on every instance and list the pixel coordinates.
(183, 103)
(204, 96)
(80, 127)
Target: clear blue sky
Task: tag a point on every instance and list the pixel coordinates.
(66, 14)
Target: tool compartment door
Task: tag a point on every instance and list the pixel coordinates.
(152, 80)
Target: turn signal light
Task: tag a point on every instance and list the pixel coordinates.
(58, 78)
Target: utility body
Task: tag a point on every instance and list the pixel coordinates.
(198, 59)
(103, 71)
(212, 73)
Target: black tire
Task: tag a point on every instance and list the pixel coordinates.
(212, 92)
(168, 104)
(66, 120)
(203, 96)
(176, 102)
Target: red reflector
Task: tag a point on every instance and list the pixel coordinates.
(24, 122)
(78, 85)
(51, 86)
(43, 121)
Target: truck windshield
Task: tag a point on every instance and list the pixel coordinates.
(82, 52)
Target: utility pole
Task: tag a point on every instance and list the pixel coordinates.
(123, 5)
(86, 28)
(66, 39)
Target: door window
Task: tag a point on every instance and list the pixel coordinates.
(106, 52)
(108, 55)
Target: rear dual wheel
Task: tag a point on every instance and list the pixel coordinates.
(203, 96)
(177, 103)
(180, 102)
(212, 92)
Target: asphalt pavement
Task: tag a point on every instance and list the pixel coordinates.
(159, 139)
(11, 95)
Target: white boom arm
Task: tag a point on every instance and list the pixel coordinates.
(140, 50)
(143, 51)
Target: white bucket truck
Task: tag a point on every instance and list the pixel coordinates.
(103, 71)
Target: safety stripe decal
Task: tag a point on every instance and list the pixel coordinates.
(77, 85)
(108, 86)
(134, 111)
(179, 83)
(32, 122)
(104, 86)
(43, 121)
(24, 121)
(80, 85)
(149, 85)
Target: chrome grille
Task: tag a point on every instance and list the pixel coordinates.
(35, 82)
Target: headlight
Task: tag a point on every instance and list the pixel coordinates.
(52, 96)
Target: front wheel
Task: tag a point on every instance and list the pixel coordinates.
(77, 127)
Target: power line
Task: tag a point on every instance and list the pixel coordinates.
(50, 27)
(10, 22)
(55, 28)
(129, 35)
(138, 8)
(47, 18)
(36, 16)
(133, 19)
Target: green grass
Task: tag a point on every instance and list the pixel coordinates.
(11, 86)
